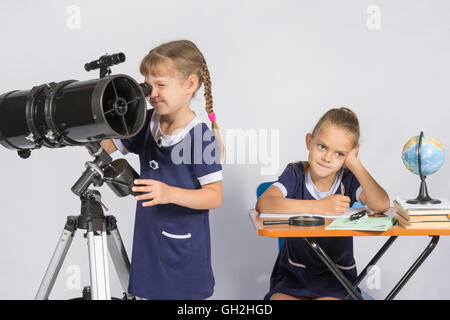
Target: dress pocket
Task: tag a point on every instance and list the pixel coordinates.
(299, 271)
(175, 249)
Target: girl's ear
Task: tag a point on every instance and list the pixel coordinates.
(192, 84)
(308, 141)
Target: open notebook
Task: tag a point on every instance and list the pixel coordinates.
(363, 224)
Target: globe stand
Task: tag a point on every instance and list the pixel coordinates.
(423, 197)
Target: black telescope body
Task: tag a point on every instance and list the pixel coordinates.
(79, 113)
(71, 113)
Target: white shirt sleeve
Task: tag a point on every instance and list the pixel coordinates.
(358, 193)
(119, 145)
(210, 178)
(281, 187)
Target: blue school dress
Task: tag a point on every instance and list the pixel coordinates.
(298, 270)
(171, 256)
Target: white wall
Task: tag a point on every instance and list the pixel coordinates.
(275, 65)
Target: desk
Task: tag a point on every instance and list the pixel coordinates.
(309, 233)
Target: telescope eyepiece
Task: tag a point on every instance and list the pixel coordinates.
(146, 89)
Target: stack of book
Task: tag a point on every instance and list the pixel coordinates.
(430, 216)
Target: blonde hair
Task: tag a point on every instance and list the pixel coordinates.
(186, 59)
(342, 118)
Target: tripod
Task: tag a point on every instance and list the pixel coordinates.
(102, 234)
(101, 231)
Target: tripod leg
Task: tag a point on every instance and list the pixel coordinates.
(105, 262)
(118, 254)
(57, 259)
(98, 263)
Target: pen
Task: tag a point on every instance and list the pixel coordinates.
(342, 189)
(358, 215)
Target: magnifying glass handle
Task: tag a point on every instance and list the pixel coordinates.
(268, 222)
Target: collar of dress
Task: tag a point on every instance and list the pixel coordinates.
(316, 193)
(166, 140)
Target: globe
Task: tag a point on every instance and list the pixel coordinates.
(432, 155)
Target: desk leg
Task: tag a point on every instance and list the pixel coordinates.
(374, 260)
(334, 269)
(414, 267)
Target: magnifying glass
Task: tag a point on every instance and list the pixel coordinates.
(303, 221)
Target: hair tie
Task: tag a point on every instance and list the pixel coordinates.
(212, 116)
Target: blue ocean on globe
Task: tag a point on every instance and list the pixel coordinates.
(432, 155)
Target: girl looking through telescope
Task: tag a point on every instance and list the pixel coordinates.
(171, 256)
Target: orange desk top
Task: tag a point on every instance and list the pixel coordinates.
(285, 230)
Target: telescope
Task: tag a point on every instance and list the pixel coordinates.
(82, 113)
(74, 113)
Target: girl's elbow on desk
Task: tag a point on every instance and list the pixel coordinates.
(258, 206)
(377, 203)
(380, 206)
(264, 205)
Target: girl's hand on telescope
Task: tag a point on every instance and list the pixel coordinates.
(156, 191)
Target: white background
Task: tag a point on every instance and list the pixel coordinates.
(274, 65)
